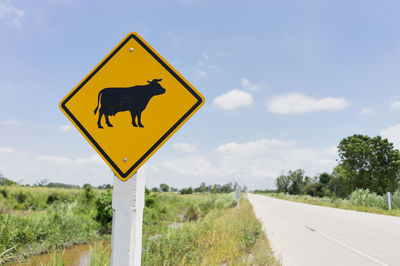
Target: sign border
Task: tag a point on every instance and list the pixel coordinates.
(200, 101)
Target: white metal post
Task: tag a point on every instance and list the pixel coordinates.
(127, 204)
(389, 200)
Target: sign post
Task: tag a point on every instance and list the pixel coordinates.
(127, 107)
(389, 200)
(127, 204)
(238, 196)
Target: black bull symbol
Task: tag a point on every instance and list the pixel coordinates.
(133, 99)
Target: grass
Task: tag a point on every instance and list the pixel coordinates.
(362, 201)
(36, 220)
(197, 229)
(221, 235)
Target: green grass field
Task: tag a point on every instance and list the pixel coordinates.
(360, 200)
(196, 229)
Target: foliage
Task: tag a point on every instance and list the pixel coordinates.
(164, 187)
(5, 181)
(61, 225)
(61, 185)
(293, 183)
(361, 197)
(218, 236)
(187, 190)
(370, 163)
(104, 211)
(38, 219)
(359, 200)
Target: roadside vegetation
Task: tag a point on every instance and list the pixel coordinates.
(34, 220)
(367, 169)
(178, 228)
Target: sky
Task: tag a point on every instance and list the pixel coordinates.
(284, 82)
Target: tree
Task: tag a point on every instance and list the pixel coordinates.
(105, 186)
(293, 183)
(338, 184)
(282, 183)
(187, 190)
(5, 181)
(370, 163)
(296, 182)
(164, 187)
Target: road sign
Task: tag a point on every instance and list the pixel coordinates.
(238, 192)
(130, 104)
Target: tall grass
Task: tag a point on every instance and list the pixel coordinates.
(359, 200)
(221, 235)
(197, 229)
(36, 220)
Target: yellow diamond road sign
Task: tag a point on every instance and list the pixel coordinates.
(130, 104)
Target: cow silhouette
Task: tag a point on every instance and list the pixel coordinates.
(133, 99)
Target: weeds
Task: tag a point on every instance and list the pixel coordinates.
(359, 200)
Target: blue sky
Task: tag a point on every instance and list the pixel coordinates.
(284, 82)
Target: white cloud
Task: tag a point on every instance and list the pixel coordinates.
(32, 167)
(10, 13)
(95, 159)
(185, 147)
(254, 163)
(253, 148)
(201, 73)
(365, 111)
(392, 134)
(246, 84)
(6, 150)
(205, 56)
(300, 103)
(52, 159)
(11, 122)
(65, 128)
(395, 104)
(233, 99)
(191, 165)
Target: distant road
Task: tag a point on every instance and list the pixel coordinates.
(308, 235)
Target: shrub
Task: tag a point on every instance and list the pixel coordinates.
(193, 212)
(21, 197)
(4, 193)
(89, 193)
(396, 199)
(104, 211)
(52, 198)
(366, 198)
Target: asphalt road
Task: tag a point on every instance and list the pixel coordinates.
(306, 235)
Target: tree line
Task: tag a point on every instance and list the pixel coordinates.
(364, 163)
(216, 188)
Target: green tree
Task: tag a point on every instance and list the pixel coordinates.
(5, 181)
(164, 187)
(369, 163)
(296, 181)
(282, 183)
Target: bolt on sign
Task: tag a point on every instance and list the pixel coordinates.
(130, 104)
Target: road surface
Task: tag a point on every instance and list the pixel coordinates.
(307, 235)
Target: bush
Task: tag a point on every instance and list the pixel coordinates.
(193, 212)
(396, 200)
(366, 198)
(104, 211)
(21, 197)
(89, 193)
(4, 193)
